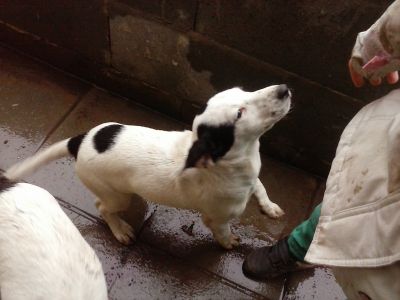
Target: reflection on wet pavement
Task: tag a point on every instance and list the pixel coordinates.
(175, 255)
(317, 283)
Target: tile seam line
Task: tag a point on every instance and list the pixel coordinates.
(79, 211)
(62, 119)
(234, 285)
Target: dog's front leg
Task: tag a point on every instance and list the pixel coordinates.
(267, 206)
(222, 232)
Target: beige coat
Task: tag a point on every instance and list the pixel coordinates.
(358, 233)
(360, 216)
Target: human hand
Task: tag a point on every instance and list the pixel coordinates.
(357, 76)
(376, 52)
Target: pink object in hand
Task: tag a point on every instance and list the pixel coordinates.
(375, 63)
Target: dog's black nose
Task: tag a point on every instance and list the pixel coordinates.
(282, 92)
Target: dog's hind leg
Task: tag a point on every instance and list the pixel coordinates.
(110, 203)
(221, 232)
(109, 206)
(267, 206)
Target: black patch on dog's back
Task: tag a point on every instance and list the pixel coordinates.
(5, 184)
(213, 141)
(105, 137)
(74, 144)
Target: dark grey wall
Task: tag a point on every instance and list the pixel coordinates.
(172, 55)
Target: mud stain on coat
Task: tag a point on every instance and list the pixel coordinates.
(357, 189)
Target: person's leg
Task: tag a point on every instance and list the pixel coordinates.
(301, 237)
(283, 257)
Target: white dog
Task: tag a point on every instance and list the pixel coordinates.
(42, 254)
(213, 169)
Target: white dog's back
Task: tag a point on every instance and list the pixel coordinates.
(42, 254)
(137, 163)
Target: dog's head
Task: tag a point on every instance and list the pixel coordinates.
(233, 120)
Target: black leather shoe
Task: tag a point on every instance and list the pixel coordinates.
(269, 262)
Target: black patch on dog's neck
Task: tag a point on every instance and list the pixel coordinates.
(5, 184)
(218, 139)
(104, 139)
(74, 144)
(213, 141)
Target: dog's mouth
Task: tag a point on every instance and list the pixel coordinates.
(282, 111)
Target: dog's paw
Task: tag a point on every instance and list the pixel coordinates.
(230, 242)
(272, 210)
(124, 233)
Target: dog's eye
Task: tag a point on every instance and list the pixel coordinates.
(239, 113)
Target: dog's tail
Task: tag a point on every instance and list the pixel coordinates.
(41, 158)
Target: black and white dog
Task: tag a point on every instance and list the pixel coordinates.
(42, 254)
(213, 169)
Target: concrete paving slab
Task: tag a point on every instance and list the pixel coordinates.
(34, 99)
(153, 274)
(318, 283)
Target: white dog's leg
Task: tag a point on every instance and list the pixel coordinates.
(110, 213)
(222, 232)
(267, 206)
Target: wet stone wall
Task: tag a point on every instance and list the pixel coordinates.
(172, 55)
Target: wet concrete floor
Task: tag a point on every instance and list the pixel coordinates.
(40, 105)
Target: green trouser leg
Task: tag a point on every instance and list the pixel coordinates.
(301, 237)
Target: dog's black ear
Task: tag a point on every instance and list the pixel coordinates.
(212, 144)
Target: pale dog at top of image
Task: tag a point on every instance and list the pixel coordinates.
(212, 169)
(42, 254)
